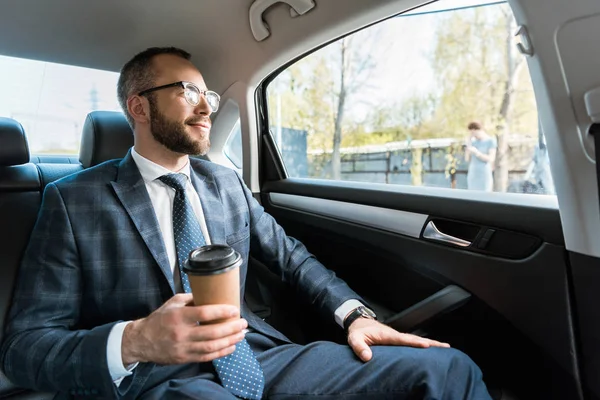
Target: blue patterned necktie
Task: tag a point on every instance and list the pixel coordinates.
(240, 371)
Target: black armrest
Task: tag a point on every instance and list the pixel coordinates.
(441, 302)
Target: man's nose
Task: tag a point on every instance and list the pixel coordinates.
(203, 108)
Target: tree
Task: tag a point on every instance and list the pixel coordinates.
(301, 98)
(352, 64)
(514, 64)
(480, 74)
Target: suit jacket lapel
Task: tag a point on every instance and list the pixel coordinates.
(210, 200)
(131, 191)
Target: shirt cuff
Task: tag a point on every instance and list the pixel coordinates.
(113, 354)
(345, 309)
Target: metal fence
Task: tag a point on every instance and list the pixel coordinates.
(434, 162)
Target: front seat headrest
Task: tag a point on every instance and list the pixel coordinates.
(14, 149)
(106, 136)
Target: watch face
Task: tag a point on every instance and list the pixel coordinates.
(366, 312)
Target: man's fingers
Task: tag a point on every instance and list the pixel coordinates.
(209, 313)
(213, 356)
(393, 337)
(407, 339)
(217, 346)
(193, 357)
(360, 347)
(417, 341)
(414, 341)
(217, 331)
(180, 299)
(435, 343)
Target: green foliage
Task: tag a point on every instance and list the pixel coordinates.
(306, 100)
(471, 62)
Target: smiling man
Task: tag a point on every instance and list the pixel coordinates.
(100, 303)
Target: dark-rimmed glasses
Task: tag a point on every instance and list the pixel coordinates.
(192, 94)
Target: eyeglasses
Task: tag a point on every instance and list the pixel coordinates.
(192, 94)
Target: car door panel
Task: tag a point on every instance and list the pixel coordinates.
(373, 239)
(586, 275)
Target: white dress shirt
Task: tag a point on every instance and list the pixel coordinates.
(162, 196)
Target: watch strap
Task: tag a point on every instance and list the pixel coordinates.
(359, 312)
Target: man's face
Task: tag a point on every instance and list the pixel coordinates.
(174, 123)
(476, 133)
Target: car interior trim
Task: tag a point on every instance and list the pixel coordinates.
(402, 222)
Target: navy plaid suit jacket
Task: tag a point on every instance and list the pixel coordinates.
(96, 257)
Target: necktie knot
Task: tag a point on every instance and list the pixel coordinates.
(176, 181)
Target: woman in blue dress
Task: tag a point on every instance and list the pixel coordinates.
(480, 153)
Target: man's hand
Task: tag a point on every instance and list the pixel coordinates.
(177, 333)
(367, 332)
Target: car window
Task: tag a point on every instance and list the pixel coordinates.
(233, 146)
(292, 141)
(436, 97)
(51, 101)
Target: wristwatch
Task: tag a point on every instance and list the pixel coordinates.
(359, 312)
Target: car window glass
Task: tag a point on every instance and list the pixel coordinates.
(438, 97)
(233, 146)
(51, 101)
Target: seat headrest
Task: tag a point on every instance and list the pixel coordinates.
(106, 136)
(14, 149)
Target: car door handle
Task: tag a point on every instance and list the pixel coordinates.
(432, 232)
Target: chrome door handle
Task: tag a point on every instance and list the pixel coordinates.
(433, 233)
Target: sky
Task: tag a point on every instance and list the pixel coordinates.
(400, 49)
(407, 70)
(52, 100)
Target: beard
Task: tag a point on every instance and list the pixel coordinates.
(173, 135)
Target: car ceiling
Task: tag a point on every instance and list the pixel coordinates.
(105, 34)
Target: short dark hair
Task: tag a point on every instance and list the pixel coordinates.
(475, 125)
(137, 74)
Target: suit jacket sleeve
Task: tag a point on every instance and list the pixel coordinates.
(43, 349)
(289, 258)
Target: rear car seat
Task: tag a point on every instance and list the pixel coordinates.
(20, 198)
(106, 135)
(50, 172)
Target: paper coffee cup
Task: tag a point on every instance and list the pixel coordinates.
(214, 275)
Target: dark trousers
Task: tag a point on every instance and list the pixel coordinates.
(325, 371)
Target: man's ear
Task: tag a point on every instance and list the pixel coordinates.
(139, 109)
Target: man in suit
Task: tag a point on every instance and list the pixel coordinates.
(98, 308)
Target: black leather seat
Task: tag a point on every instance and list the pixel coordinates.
(51, 172)
(20, 198)
(106, 136)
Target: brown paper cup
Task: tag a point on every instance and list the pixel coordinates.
(214, 275)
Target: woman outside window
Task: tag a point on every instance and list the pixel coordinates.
(480, 153)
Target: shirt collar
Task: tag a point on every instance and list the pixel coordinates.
(151, 171)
